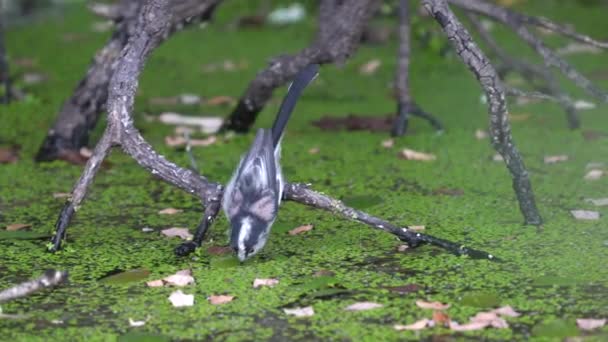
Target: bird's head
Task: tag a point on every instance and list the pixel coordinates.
(248, 236)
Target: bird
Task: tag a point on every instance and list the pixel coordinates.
(252, 196)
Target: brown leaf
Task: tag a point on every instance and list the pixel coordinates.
(221, 101)
(301, 229)
(219, 250)
(170, 211)
(313, 150)
(323, 273)
(25, 62)
(418, 325)
(9, 154)
(416, 228)
(409, 154)
(220, 299)
(404, 289)
(370, 67)
(590, 323)
(175, 141)
(497, 158)
(363, 306)
(182, 233)
(388, 143)
(32, 78)
(555, 159)
(441, 318)
(519, 117)
(431, 305)
(300, 312)
(402, 248)
(591, 135)
(264, 282)
(17, 226)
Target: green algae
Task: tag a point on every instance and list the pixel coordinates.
(554, 273)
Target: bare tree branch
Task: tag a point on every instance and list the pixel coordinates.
(50, 278)
(337, 39)
(405, 103)
(5, 77)
(516, 22)
(153, 24)
(529, 71)
(500, 129)
(81, 111)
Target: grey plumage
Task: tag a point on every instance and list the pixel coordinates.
(253, 195)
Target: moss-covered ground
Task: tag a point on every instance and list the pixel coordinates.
(552, 274)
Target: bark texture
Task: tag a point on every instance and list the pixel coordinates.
(80, 113)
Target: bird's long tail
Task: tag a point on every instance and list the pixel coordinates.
(302, 79)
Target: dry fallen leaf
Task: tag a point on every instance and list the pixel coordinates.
(408, 154)
(598, 202)
(573, 48)
(585, 214)
(17, 226)
(370, 67)
(581, 104)
(189, 99)
(594, 174)
(555, 159)
(313, 150)
(182, 233)
(362, 306)
(497, 158)
(155, 283)
(431, 305)
(506, 311)
(441, 318)
(590, 323)
(418, 325)
(9, 155)
(481, 134)
(301, 229)
(300, 312)
(147, 229)
(469, 326)
(133, 323)
(416, 228)
(34, 78)
(62, 194)
(180, 278)
(179, 299)
(220, 299)
(205, 124)
(402, 248)
(170, 211)
(519, 117)
(175, 141)
(85, 152)
(219, 250)
(221, 100)
(264, 282)
(388, 143)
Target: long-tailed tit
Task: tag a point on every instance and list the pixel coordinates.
(252, 197)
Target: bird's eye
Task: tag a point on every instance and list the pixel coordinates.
(250, 250)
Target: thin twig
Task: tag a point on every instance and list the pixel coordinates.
(529, 71)
(300, 193)
(515, 22)
(49, 279)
